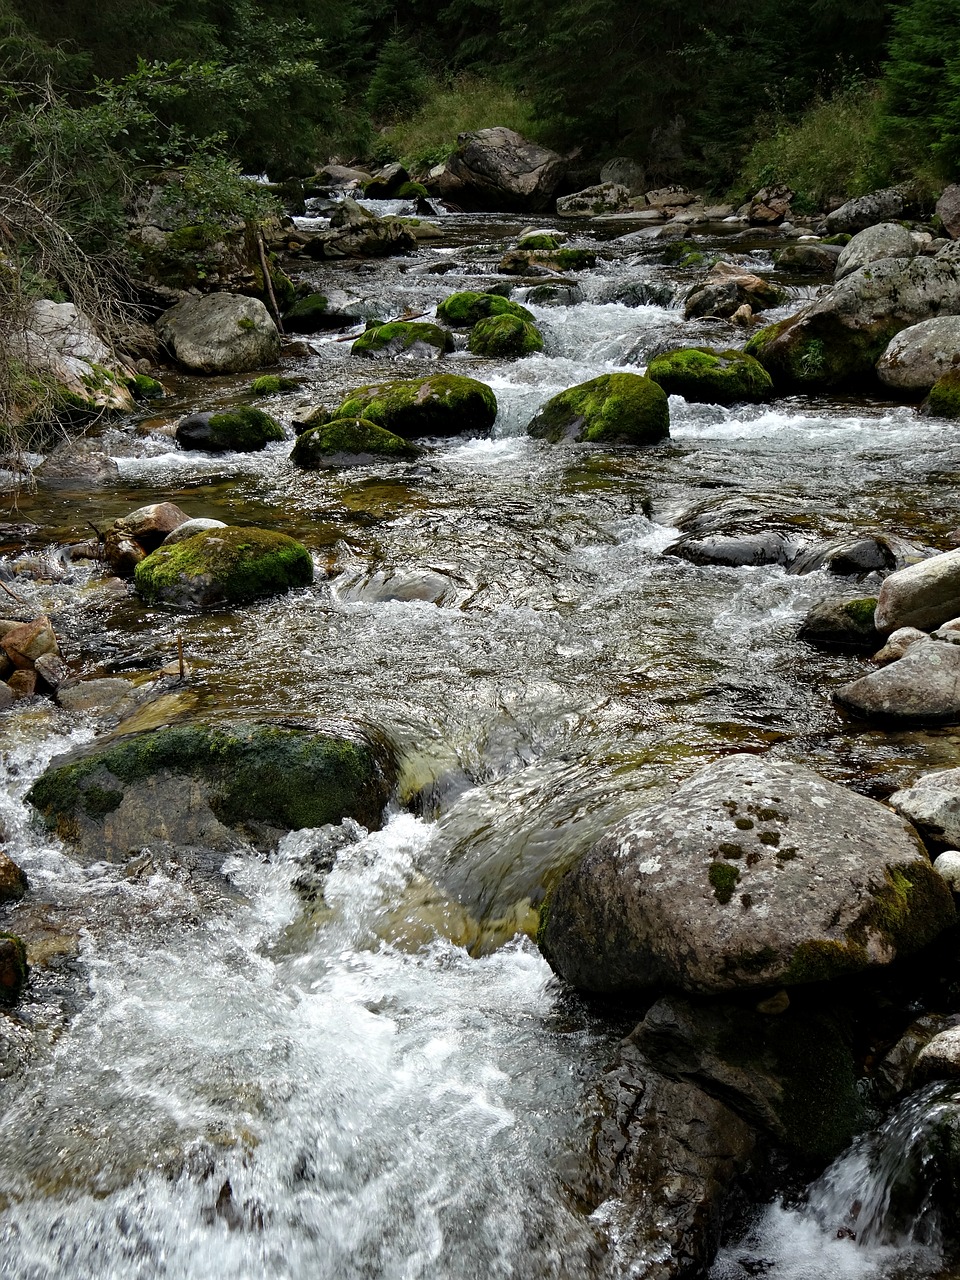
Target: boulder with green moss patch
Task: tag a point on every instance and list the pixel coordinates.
(843, 624)
(310, 314)
(212, 784)
(503, 336)
(349, 442)
(272, 384)
(404, 338)
(704, 376)
(462, 310)
(13, 969)
(822, 882)
(445, 404)
(240, 430)
(616, 408)
(223, 567)
(524, 262)
(944, 398)
(219, 333)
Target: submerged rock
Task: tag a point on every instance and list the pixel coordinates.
(240, 430)
(223, 566)
(616, 408)
(13, 880)
(220, 333)
(349, 442)
(736, 550)
(445, 404)
(212, 785)
(702, 375)
(400, 338)
(842, 623)
(752, 873)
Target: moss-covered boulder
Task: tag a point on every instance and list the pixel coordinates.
(240, 430)
(502, 336)
(944, 398)
(842, 624)
(310, 314)
(272, 384)
(705, 376)
(751, 873)
(616, 408)
(13, 969)
(462, 310)
(349, 442)
(223, 567)
(541, 240)
(211, 784)
(403, 338)
(524, 262)
(445, 404)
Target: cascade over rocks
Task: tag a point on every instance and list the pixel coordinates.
(918, 357)
(213, 785)
(498, 169)
(885, 240)
(752, 873)
(220, 333)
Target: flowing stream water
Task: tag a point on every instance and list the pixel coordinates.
(216, 1074)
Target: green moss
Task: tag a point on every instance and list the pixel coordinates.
(143, 387)
(13, 968)
(268, 774)
(400, 336)
(504, 336)
(861, 611)
(841, 238)
(674, 252)
(244, 564)
(702, 375)
(574, 259)
(729, 850)
(724, 880)
(908, 910)
(99, 801)
(445, 404)
(616, 408)
(308, 314)
(462, 310)
(269, 384)
(540, 240)
(822, 960)
(245, 323)
(412, 191)
(944, 398)
(349, 441)
(244, 429)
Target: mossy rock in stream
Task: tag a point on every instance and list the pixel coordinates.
(465, 309)
(445, 404)
(240, 430)
(208, 784)
(704, 376)
(271, 384)
(13, 969)
(504, 336)
(401, 338)
(309, 314)
(616, 408)
(223, 567)
(349, 442)
(944, 398)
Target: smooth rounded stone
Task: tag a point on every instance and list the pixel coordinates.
(948, 866)
(220, 333)
(107, 696)
(922, 688)
(843, 623)
(77, 464)
(918, 357)
(445, 404)
(944, 398)
(199, 524)
(702, 375)
(879, 206)
(616, 408)
(856, 557)
(504, 337)
(898, 642)
(500, 170)
(27, 641)
(150, 525)
(121, 553)
(939, 1059)
(884, 240)
(948, 210)
(13, 880)
(463, 310)
(736, 550)
(408, 584)
(201, 784)
(224, 566)
(932, 804)
(625, 172)
(894, 1072)
(239, 430)
(401, 338)
(13, 969)
(605, 197)
(752, 873)
(349, 442)
(812, 259)
(923, 595)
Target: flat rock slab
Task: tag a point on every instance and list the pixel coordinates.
(922, 687)
(752, 873)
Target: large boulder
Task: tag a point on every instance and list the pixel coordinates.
(923, 595)
(212, 785)
(948, 211)
(445, 404)
(891, 203)
(808, 259)
(61, 341)
(402, 338)
(240, 430)
(885, 240)
(752, 873)
(498, 169)
(702, 375)
(921, 688)
(355, 232)
(839, 338)
(919, 356)
(625, 172)
(932, 804)
(349, 442)
(225, 566)
(616, 408)
(607, 197)
(220, 333)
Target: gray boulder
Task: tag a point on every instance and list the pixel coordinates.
(607, 197)
(922, 687)
(885, 240)
(752, 873)
(932, 804)
(948, 211)
(729, 287)
(919, 356)
(625, 173)
(879, 206)
(220, 333)
(61, 341)
(845, 624)
(355, 232)
(923, 595)
(498, 169)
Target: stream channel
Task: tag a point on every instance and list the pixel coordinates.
(213, 1074)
